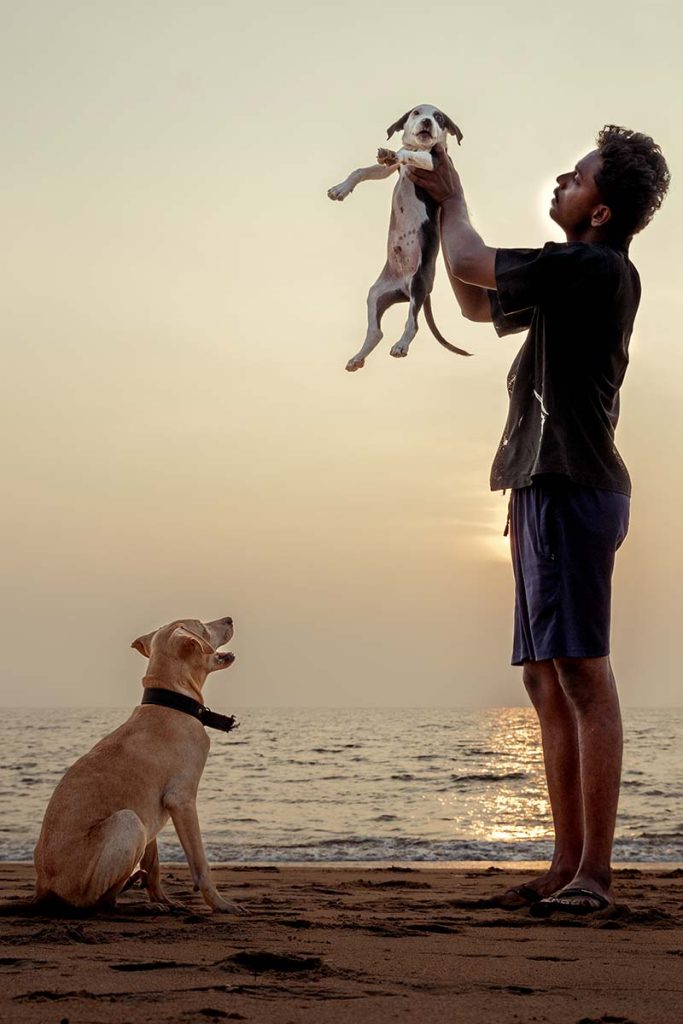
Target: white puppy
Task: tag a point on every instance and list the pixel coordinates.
(408, 274)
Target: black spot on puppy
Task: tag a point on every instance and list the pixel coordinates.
(445, 124)
(399, 125)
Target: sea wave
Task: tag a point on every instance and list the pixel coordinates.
(489, 777)
(660, 849)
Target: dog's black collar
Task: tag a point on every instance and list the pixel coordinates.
(179, 702)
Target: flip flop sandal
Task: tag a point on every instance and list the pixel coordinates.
(526, 895)
(561, 903)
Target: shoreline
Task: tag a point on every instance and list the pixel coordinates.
(509, 866)
(321, 943)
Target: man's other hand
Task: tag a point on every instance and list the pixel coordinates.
(443, 182)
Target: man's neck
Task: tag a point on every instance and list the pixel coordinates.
(589, 235)
(595, 236)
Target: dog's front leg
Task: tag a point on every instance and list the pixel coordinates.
(184, 815)
(374, 173)
(421, 158)
(152, 881)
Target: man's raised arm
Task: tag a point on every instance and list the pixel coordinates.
(469, 262)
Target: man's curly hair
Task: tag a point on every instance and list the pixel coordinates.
(633, 179)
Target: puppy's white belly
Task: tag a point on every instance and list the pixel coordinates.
(404, 254)
(408, 214)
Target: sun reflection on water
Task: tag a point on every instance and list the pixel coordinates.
(513, 805)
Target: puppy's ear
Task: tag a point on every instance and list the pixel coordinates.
(399, 125)
(444, 122)
(143, 644)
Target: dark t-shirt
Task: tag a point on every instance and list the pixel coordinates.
(579, 300)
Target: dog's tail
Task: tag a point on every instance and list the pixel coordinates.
(437, 333)
(45, 905)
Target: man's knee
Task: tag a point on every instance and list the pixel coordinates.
(585, 680)
(540, 681)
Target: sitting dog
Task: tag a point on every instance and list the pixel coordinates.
(105, 814)
(408, 274)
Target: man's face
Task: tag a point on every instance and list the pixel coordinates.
(576, 197)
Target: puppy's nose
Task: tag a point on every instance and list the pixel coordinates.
(228, 620)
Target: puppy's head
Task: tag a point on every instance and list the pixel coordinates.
(190, 643)
(423, 127)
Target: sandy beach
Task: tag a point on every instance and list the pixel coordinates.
(331, 943)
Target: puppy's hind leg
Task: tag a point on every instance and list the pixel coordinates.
(400, 349)
(420, 284)
(384, 293)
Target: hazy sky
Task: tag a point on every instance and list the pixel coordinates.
(179, 299)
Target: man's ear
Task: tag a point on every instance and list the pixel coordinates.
(444, 122)
(143, 644)
(600, 216)
(399, 125)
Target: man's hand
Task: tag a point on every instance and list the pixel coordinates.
(468, 258)
(443, 182)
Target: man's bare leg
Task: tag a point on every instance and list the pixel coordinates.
(562, 769)
(591, 690)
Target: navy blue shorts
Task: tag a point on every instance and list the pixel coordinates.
(563, 538)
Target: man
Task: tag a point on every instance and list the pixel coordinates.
(569, 487)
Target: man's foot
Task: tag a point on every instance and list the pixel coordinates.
(525, 895)
(517, 897)
(572, 900)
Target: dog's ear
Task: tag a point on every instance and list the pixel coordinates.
(444, 122)
(399, 125)
(188, 644)
(143, 644)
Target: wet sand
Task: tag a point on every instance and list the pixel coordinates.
(333, 944)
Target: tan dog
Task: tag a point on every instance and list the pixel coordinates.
(105, 814)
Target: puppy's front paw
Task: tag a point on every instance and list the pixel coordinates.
(355, 363)
(339, 192)
(387, 157)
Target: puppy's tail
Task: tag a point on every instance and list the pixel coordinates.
(437, 333)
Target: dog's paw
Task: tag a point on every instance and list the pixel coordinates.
(399, 350)
(355, 363)
(169, 906)
(161, 906)
(339, 192)
(387, 157)
(221, 906)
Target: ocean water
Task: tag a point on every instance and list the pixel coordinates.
(363, 785)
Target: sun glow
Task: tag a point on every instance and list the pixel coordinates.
(494, 535)
(496, 545)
